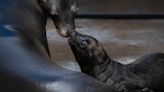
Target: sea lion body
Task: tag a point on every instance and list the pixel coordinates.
(24, 66)
(144, 74)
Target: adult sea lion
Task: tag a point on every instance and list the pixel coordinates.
(24, 66)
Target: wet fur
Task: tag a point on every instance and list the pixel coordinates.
(23, 68)
(143, 75)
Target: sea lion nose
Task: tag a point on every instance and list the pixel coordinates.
(76, 37)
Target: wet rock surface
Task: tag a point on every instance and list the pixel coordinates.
(124, 40)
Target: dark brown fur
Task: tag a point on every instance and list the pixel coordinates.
(23, 68)
(142, 75)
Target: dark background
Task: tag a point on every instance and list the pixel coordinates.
(121, 7)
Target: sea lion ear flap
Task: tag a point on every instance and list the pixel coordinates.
(100, 54)
(54, 10)
(74, 8)
(49, 6)
(53, 6)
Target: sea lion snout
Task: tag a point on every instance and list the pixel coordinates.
(72, 39)
(78, 40)
(87, 51)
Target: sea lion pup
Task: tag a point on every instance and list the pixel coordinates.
(140, 76)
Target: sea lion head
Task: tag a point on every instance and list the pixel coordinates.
(87, 50)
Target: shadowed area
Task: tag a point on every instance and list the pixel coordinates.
(121, 6)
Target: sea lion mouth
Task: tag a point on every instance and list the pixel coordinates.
(63, 33)
(73, 38)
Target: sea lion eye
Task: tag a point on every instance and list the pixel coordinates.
(83, 44)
